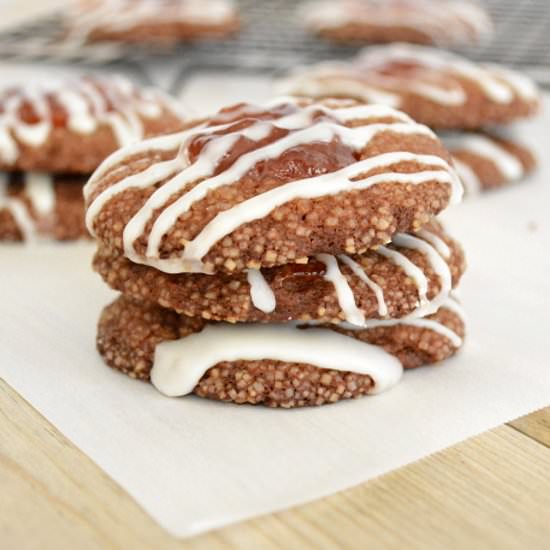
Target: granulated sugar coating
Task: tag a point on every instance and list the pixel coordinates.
(129, 332)
(284, 254)
(301, 291)
(260, 186)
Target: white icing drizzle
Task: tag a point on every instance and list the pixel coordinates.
(333, 79)
(430, 324)
(469, 178)
(180, 173)
(483, 146)
(495, 87)
(344, 293)
(411, 270)
(452, 303)
(364, 78)
(522, 85)
(40, 189)
(377, 289)
(123, 15)
(18, 210)
(430, 245)
(180, 364)
(439, 266)
(261, 294)
(88, 103)
(449, 302)
(443, 22)
(174, 141)
(436, 241)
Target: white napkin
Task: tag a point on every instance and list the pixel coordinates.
(196, 465)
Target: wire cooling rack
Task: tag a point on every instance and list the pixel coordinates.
(272, 38)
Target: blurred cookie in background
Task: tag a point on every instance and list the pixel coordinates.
(54, 133)
(71, 125)
(150, 21)
(435, 87)
(416, 21)
(36, 206)
(488, 160)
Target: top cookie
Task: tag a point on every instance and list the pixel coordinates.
(435, 87)
(416, 21)
(159, 21)
(268, 185)
(71, 125)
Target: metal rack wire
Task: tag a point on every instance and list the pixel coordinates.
(272, 38)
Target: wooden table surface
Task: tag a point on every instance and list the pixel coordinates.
(491, 491)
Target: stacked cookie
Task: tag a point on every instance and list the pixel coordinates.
(53, 134)
(284, 254)
(442, 22)
(469, 104)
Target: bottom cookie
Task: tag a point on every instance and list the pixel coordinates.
(281, 365)
(41, 206)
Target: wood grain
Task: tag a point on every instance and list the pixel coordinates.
(536, 426)
(491, 491)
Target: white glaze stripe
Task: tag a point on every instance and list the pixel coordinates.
(431, 245)
(180, 364)
(317, 83)
(430, 324)
(439, 266)
(207, 160)
(452, 304)
(40, 189)
(483, 146)
(410, 269)
(344, 293)
(360, 273)
(522, 85)
(18, 210)
(436, 241)
(261, 294)
(471, 182)
(174, 141)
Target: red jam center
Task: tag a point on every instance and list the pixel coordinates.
(302, 161)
